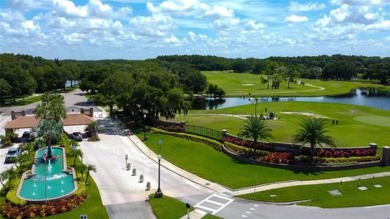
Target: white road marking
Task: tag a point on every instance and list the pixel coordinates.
(209, 200)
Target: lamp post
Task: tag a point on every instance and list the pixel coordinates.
(255, 100)
(159, 193)
(145, 137)
(188, 210)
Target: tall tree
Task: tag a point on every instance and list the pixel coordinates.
(313, 132)
(255, 128)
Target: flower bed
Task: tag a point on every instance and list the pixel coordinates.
(247, 143)
(279, 158)
(337, 153)
(34, 210)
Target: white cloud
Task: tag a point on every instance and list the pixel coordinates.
(311, 6)
(218, 12)
(24, 5)
(296, 19)
(252, 25)
(68, 9)
(171, 40)
(192, 36)
(156, 25)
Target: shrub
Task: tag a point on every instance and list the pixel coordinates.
(51, 208)
(213, 143)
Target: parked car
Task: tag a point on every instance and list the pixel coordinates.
(27, 137)
(12, 154)
(77, 136)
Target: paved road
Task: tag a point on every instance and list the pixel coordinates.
(73, 100)
(119, 188)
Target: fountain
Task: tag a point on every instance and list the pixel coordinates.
(49, 179)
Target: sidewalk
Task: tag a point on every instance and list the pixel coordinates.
(235, 192)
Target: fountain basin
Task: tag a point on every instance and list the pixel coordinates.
(48, 179)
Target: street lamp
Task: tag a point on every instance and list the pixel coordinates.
(188, 210)
(159, 193)
(145, 137)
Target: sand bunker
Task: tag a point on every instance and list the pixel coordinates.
(247, 84)
(305, 114)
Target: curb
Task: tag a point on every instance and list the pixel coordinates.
(188, 178)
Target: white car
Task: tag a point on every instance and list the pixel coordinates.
(11, 154)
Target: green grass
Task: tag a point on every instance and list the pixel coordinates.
(319, 195)
(24, 101)
(239, 84)
(167, 207)
(358, 125)
(217, 167)
(92, 206)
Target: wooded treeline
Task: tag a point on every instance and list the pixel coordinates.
(335, 67)
(157, 86)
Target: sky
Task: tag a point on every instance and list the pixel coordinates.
(141, 29)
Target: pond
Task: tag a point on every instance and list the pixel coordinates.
(357, 97)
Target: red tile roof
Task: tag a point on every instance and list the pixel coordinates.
(77, 119)
(23, 122)
(32, 121)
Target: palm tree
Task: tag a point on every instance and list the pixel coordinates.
(9, 174)
(255, 128)
(82, 168)
(313, 131)
(89, 168)
(51, 111)
(51, 130)
(76, 153)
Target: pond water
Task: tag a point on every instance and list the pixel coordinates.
(356, 97)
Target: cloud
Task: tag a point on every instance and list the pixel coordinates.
(156, 25)
(218, 12)
(67, 8)
(311, 6)
(252, 25)
(192, 36)
(24, 5)
(171, 40)
(296, 19)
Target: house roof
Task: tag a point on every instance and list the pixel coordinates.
(23, 122)
(77, 119)
(33, 122)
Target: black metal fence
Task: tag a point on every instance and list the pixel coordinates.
(207, 132)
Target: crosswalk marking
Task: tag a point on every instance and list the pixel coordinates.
(220, 203)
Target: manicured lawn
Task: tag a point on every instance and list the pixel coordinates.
(24, 101)
(239, 84)
(92, 207)
(167, 207)
(217, 167)
(358, 125)
(319, 195)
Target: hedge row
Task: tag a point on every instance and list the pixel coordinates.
(340, 159)
(213, 143)
(244, 150)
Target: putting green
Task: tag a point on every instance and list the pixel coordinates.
(374, 120)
